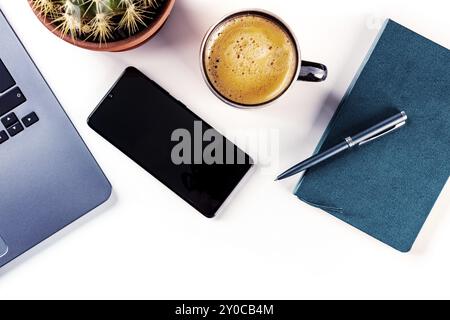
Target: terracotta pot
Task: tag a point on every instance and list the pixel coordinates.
(115, 46)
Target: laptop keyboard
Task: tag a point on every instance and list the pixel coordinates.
(6, 81)
(10, 98)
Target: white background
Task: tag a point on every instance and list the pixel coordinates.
(147, 243)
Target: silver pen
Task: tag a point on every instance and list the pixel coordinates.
(383, 128)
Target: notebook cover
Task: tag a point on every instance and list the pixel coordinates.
(388, 187)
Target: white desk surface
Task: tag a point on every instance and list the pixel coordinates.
(147, 243)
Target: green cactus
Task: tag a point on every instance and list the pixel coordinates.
(98, 21)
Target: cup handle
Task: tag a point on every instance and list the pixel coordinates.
(313, 72)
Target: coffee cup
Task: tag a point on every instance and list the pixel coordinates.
(251, 58)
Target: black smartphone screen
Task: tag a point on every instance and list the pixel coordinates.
(170, 142)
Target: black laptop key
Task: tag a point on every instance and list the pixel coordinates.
(3, 136)
(30, 119)
(15, 129)
(9, 120)
(6, 81)
(11, 100)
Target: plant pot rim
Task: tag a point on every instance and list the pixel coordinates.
(114, 46)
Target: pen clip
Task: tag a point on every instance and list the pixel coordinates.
(381, 134)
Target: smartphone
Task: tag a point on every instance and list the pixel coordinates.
(170, 142)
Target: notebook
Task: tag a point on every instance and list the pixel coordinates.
(388, 187)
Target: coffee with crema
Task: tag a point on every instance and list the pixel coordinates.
(250, 59)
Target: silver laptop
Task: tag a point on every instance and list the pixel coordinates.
(48, 177)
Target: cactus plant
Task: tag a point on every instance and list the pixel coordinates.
(98, 21)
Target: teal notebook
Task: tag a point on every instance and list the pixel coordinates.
(387, 188)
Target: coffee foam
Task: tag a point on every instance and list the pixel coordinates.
(250, 59)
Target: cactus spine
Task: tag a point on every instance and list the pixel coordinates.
(98, 20)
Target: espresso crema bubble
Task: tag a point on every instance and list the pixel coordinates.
(250, 60)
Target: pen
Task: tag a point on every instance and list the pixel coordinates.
(383, 128)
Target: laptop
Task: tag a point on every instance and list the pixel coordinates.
(48, 177)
